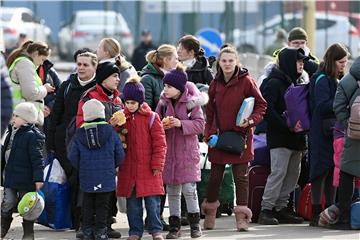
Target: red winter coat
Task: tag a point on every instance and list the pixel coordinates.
(111, 105)
(229, 98)
(146, 150)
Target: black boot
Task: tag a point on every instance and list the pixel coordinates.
(174, 232)
(316, 210)
(5, 225)
(28, 228)
(194, 220)
(101, 234)
(112, 233)
(184, 218)
(266, 217)
(166, 227)
(287, 216)
(86, 233)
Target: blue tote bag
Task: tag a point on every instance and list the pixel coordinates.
(57, 212)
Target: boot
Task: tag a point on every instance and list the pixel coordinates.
(243, 216)
(287, 216)
(316, 210)
(101, 234)
(195, 228)
(86, 233)
(184, 219)
(111, 233)
(28, 228)
(344, 221)
(266, 217)
(5, 225)
(209, 210)
(175, 225)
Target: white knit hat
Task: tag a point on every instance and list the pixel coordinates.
(93, 109)
(27, 111)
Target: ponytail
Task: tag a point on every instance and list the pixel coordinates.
(17, 52)
(157, 56)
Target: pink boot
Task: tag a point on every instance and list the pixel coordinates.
(243, 216)
(209, 210)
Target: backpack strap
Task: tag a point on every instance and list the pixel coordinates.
(319, 77)
(152, 119)
(67, 89)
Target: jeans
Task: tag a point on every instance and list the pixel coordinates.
(285, 171)
(135, 210)
(95, 204)
(10, 201)
(190, 194)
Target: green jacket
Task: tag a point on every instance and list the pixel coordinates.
(345, 95)
(151, 79)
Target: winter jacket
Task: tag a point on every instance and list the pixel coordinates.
(63, 112)
(151, 78)
(179, 167)
(146, 149)
(200, 72)
(138, 58)
(346, 93)
(25, 164)
(112, 104)
(229, 97)
(322, 93)
(278, 133)
(49, 75)
(95, 151)
(6, 98)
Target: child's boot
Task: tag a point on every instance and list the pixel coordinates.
(5, 225)
(101, 234)
(28, 228)
(195, 228)
(175, 225)
(243, 216)
(209, 210)
(87, 233)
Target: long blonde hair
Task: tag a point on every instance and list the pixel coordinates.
(157, 56)
(113, 47)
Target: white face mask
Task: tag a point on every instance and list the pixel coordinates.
(189, 63)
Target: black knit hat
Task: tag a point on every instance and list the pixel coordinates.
(104, 70)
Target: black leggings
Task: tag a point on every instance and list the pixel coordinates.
(323, 184)
(346, 191)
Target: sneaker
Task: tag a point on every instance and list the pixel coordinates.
(285, 215)
(266, 217)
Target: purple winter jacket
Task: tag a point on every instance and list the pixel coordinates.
(182, 164)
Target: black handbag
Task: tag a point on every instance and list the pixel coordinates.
(229, 141)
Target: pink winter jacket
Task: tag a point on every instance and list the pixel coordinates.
(182, 156)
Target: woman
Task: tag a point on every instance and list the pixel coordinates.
(64, 112)
(322, 93)
(109, 50)
(160, 62)
(347, 91)
(26, 83)
(192, 56)
(232, 84)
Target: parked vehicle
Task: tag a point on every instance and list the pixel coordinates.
(87, 28)
(15, 21)
(329, 29)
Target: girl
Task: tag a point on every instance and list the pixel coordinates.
(230, 87)
(140, 177)
(322, 93)
(180, 105)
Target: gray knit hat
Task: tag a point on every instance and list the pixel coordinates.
(27, 111)
(297, 33)
(93, 109)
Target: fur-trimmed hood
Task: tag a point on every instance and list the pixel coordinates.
(192, 96)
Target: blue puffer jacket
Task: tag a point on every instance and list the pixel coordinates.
(96, 151)
(25, 165)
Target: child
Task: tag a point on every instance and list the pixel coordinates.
(183, 119)
(95, 152)
(22, 160)
(140, 177)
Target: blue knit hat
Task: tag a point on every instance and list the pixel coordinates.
(134, 90)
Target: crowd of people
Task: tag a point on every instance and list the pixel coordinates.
(167, 100)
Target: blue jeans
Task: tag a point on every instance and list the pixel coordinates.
(135, 210)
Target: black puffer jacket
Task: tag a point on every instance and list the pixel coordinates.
(64, 110)
(200, 72)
